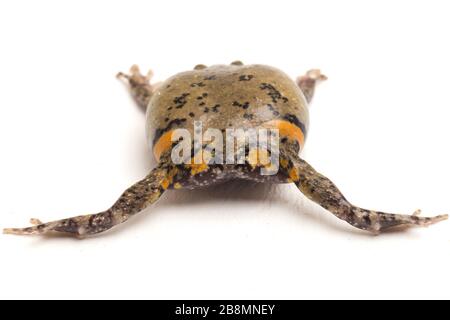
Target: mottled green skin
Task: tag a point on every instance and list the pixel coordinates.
(221, 97)
(236, 96)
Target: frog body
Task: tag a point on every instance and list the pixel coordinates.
(225, 97)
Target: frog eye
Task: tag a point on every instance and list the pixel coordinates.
(237, 63)
(200, 67)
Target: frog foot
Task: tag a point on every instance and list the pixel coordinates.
(140, 85)
(308, 82)
(314, 74)
(135, 75)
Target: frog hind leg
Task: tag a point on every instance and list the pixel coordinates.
(323, 191)
(308, 82)
(139, 85)
(132, 201)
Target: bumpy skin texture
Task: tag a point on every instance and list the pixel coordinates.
(234, 96)
(222, 96)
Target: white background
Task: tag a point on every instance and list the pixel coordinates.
(72, 140)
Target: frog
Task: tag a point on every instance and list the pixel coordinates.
(225, 96)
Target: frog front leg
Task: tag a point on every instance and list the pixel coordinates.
(140, 86)
(132, 201)
(323, 191)
(308, 82)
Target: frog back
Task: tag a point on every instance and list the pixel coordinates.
(226, 96)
